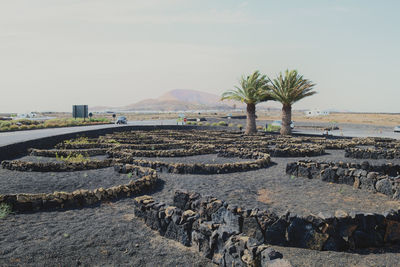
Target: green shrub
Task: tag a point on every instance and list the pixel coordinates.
(273, 128)
(199, 123)
(73, 158)
(14, 127)
(31, 127)
(206, 124)
(4, 129)
(231, 125)
(23, 127)
(214, 124)
(80, 140)
(5, 124)
(222, 123)
(5, 210)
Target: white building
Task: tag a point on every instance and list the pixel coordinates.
(316, 112)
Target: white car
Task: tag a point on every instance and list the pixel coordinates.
(279, 124)
(397, 129)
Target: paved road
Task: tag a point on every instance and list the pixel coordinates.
(346, 130)
(20, 136)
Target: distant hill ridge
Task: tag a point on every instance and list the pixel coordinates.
(180, 99)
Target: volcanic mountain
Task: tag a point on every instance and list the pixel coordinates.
(182, 100)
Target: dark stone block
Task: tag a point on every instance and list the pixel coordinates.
(335, 243)
(384, 186)
(367, 239)
(349, 180)
(303, 171)
(302, 234)
(276, 233)
(367, 183)
(202, 244)
(181, 199)
(251, 229)
(180, 233)
(291, 168)
(329, 175)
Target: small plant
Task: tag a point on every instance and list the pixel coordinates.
(14, 127)
(78, 158)
(206, 124)
(231, 125)
(77, 141)
(240, 125)
(129, 175)
(112, 141)
(214, 124)
(273, 128)
(5, 210)
(222, 123)
(199, 123)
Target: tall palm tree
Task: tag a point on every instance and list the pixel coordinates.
(289, 89)
(252, 90)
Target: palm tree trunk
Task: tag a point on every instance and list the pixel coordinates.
(251, 119)
(286, 119)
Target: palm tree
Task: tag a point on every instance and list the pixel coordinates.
(252, 91)
(288, 90)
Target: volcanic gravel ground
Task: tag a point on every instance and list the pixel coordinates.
(48, 182)
(272, 188)
(107, 235)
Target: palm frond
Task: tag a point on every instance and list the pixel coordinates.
(290, 87)
(253, 89)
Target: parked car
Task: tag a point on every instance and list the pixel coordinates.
(397, 129)
(121, 120)
(279, 124)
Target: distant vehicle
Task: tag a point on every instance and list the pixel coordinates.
(397, 129)
(121, 120)
(279, 124)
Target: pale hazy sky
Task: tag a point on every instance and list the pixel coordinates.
(106, 52)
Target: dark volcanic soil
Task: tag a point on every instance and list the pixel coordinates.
(271, 188)
(109, 235)
(48, 182)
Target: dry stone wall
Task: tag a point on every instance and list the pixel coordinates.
(377, 178)
(219, 238)
(81, 198)
(208, 224)
(372, 153)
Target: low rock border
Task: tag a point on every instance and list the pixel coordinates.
(67, 152)
(372, 153)
(219, 240)
(81, 198)
(262, 160)
(62, 166)
(207, 223)
(377, 178)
